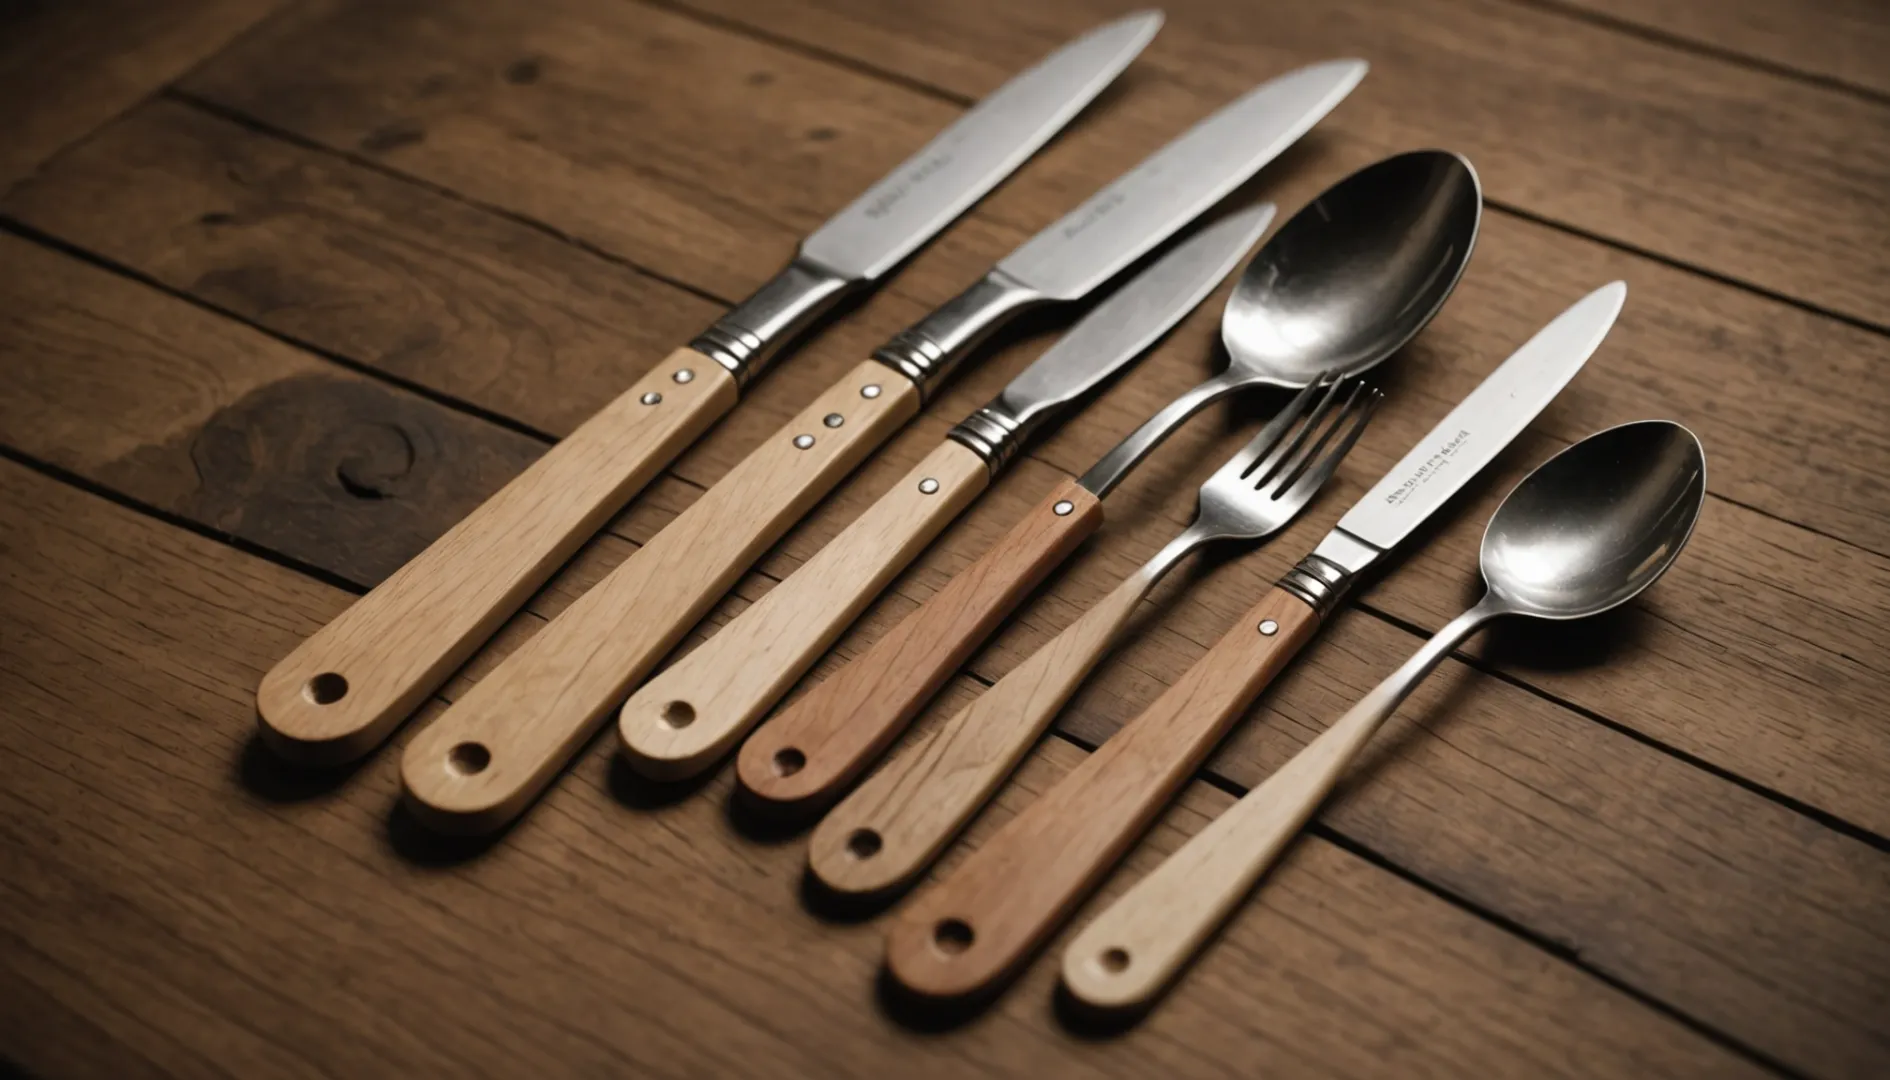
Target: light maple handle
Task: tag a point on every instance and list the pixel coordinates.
(1125, 957)
(974, 930)
(346, 688)
(809, 752)
(685, 719)
(883, 835)
(483, 760)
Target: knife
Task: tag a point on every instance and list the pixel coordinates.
(342, 691)
(977, 927)
(490, 754)
(688, 717)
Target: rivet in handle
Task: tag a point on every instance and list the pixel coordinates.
(928, 486)
(802, 442)
(1063, 508)
(651, 398)
(1268, 627)
(870, 390)
(683, 375)
(834, 419)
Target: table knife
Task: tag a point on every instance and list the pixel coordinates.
(342, 691)
(976, 928)
(688, 717)
(482, 761)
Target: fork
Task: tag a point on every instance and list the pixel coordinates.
(885, 834)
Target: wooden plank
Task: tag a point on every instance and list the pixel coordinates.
(174, 904)
(1745, 173)
(65, 69)
(1846, 41)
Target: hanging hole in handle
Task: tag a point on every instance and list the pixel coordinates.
(468, 758)
(1115, 961)
(952, 936)
(788, 761)
(326, 688)
(679, 714)
(864, 843)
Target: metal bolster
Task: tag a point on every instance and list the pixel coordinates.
(1319, 581)
(928, 352)
(992, 435)
(745, 338)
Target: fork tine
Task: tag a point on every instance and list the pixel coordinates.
(1290, 475)
(1267, 442)
(1290, 451)
(1360, 408)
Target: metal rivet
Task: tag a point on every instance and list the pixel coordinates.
(870, 390)
(683, 375)
(1063, 508)
(1268, 627)
(802, 442)
(651, 398)
(928, 486)
(834, 419)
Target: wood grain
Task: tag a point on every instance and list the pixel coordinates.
(606, 939)
(66, 69)
(482, 763)
(813, 749)
(891, 828)
(345, 689)
(975, 930)
(690, 716)
(1846, 41)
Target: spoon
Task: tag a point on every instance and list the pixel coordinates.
(1585, 532)
(1343, 285)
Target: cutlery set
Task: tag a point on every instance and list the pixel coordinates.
(1339, 288)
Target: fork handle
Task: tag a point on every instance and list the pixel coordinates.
(808, 753)
(886, 833)
(976, 928)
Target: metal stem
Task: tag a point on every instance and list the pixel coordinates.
(1103, 477)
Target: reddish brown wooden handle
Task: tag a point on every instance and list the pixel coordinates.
(975, 930)
(810, 752)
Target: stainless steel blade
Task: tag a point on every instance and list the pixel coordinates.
(1147, 204)
(1132, 318)
(1475, 431)
(968, 159)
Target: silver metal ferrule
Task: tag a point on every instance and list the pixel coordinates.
(992, 434)
(748, 336)
(929, 351)
(1324, 577)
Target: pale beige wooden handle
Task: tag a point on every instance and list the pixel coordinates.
(483, 761)
(884, 835)
(685, 719)
(346, 688)
(975, 929)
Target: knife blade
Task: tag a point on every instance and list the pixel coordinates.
(1006, 898)
(547, 698)
(343, 690)
(729, 682)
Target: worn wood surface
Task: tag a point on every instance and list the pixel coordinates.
(290, 288)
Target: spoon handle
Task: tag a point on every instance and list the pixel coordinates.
(810, 751)
(1137, 946)
(891, 828)
(976, 928)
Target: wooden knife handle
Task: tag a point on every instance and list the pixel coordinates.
(692, 714)
(973, 931)
(346, 688)
(483, 760)
(809, 752)
(884, 835)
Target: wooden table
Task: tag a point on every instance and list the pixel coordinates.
(287, 288)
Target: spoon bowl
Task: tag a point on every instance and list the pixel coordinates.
(1596, 524)
(1357, 272)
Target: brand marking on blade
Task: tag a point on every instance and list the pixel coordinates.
(920, 173)
(1094, 214)
(1430, 468)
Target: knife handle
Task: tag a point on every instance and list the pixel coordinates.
(884, 835)
(484, 759)
(692, 714)
(344, 690)
(973, 931)
(809, 752)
